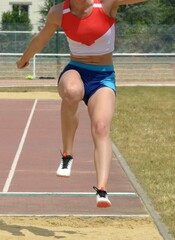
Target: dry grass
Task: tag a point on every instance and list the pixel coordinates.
(144, 130)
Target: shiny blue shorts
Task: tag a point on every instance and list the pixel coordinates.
(94, 77)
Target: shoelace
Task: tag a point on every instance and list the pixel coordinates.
(100, 192)
(66, 161)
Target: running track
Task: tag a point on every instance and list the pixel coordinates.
(30, 144)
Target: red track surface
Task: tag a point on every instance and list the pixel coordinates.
(39, 159)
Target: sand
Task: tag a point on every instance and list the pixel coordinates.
(70, 228)
(28, 95)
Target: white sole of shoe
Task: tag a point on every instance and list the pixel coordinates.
(64, 172)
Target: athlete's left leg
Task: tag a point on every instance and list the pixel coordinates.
(101, 107)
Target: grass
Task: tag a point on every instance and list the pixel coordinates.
(144, 130)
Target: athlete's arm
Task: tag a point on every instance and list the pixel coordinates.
(41, 39)
(125, 2)
(111, 6)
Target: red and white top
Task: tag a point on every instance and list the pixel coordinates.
(92, 35)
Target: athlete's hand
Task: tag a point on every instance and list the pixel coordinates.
(21, 63)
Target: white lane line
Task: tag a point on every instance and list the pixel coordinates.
(66, 194)
(145, 84)
(18, 153)
(79, 215)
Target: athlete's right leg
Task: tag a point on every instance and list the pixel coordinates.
(71, 90)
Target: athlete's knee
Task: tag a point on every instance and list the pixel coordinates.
(100, 128)
(72, 94)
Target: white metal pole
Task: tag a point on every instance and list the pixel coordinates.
(34, 66)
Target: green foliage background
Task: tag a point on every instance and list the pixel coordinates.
(146, 27)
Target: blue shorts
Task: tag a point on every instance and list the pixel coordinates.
(94, 77)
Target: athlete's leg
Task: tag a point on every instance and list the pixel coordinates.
(71, 90)
(101, 108)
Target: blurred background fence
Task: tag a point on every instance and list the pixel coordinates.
(141, 53)
(130, 38)
(130, 67)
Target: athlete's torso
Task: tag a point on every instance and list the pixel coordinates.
(93, 35)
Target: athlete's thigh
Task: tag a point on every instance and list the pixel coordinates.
(71, 82)
(101, 105)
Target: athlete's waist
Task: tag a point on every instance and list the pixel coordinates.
(105, 59)
(92, 67)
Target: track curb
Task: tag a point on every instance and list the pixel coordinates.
(162, 228)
